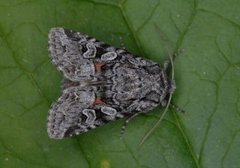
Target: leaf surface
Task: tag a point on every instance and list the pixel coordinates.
(207, 78)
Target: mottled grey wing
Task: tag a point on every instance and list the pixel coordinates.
(78, 111)
(78, 56)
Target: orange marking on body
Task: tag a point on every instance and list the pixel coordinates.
(98, 101)
(98, 66)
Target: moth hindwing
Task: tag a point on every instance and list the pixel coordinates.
(101, 83)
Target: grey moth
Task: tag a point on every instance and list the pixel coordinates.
(101, 84)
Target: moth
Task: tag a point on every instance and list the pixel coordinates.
(101, 84)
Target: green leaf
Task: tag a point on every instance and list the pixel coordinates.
(207, 78)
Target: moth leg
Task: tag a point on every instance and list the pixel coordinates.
(126, 122)
(175, 107)
(167, 63)
(122, 45)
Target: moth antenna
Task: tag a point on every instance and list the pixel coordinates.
(164, 112)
